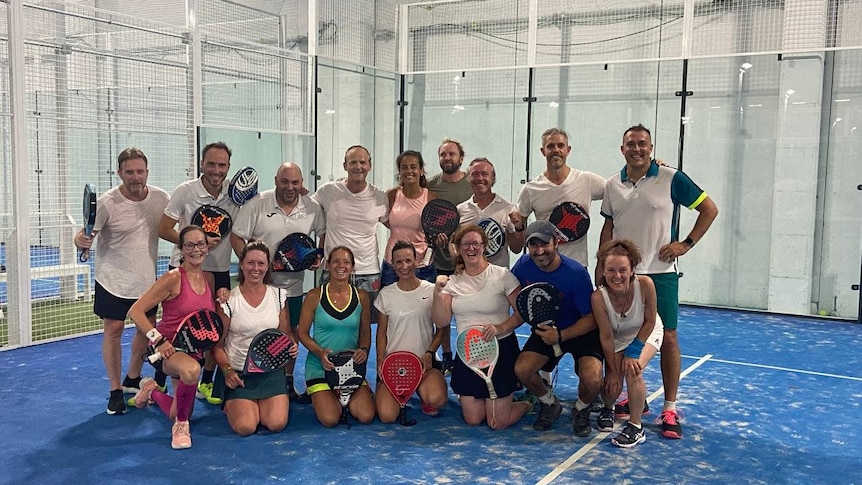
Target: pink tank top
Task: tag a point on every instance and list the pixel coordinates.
(173, 311)
(405, 225)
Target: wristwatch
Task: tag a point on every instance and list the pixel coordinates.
(689, 242)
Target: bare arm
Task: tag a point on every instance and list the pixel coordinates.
(237, 243)
(361, 354)
(167, 229)
(707, 212)
(441, 309)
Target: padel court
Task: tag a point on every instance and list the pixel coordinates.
(766, 399)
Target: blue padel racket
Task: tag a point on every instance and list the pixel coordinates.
(296, 252)
(479, 355)
(243, 186)
(401, 373)
(439, 216)
(571, 219)
(215, 221)
(539, 303)
(269, 351)
(89, 217)
(198, 332)
(345, 379)
(496, 236)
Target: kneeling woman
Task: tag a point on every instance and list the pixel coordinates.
(253, 306)
(181, 291)
(341, 317)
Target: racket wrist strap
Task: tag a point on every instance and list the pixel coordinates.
(634, 349)
(154, 336)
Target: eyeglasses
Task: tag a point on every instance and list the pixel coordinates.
(190, 245)
(471, 244)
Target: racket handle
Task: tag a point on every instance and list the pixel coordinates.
(155, 357)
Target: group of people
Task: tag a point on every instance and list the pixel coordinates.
(422, 286)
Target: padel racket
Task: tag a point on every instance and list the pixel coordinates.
(269, 351)
(496, 236)
(345, 379)
(479, 355)
(198, 332)
(296, 252)
(215, 221)
(243, 186)
(539, 303)
(401, 373)
(89, 217)
(439, 216)
(571, 219)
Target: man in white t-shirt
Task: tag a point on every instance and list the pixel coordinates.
(560, 183)
(353, 208)
(127, 222)
(486, 204)
(210, 188)
(271, 217)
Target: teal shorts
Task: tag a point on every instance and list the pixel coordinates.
(667, 298)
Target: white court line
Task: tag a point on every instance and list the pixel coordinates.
(562, 467)
(788, 369)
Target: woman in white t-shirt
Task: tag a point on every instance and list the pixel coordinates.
(253, 306)
(482, 294)
(404, 324)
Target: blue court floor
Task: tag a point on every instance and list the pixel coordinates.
(767, 399)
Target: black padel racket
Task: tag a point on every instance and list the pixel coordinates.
(539, 303)
(89, 217)
(243, 186)
(269, 351)
(215, 221)
(198, 332)
(345, 379)
(296, 252)
(439, 216)
(571, 219)
(496, 236)
(401, 373)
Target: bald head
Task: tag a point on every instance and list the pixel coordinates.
(288, 183)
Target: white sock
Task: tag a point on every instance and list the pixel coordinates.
(547, 398)
(580, 405)
(638, 426)
(669, 406)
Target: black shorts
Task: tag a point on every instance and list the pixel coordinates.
(110, 307)
(465, 382)
(587, 345)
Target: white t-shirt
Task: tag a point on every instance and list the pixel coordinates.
(410, 327)
(185, 200)
(351, 220)
(262, 219)
(481, 299)
(128, 242)
(247, 321)
(499, 210)
(540, 195)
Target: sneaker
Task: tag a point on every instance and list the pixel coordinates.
(427, 409)
(629, 437)
(670, 427)
(131, 386)
(181, 436)
(581, 422)
(448, 363)
(116, 403)
(142, 398)
(546, 378)
(597, 405)
(205, 391)
(605, 421)
(304, 398)
(530, 398)
(621, 409)
(548, 413)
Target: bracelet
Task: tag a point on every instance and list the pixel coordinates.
(634, 349)
(431, 352)
(226, 370)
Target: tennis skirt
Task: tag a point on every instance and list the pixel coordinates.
(465, 382)
(257, 386)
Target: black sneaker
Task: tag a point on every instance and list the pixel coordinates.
(581, 422)
(621, 409)
(291, 392)
(448, 363)
(629, 437)
(605, 421)
(132, 386)
(116, 403)
(547, 415)
(303, 398)
(597, 405)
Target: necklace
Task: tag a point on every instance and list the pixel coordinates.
(625, 302)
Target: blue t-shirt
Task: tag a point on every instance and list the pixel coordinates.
(570, 278)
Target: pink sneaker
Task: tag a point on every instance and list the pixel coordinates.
(181, 436)
(428, 410)
(142, 398)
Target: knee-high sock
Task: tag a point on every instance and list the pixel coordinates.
(163, 400)
(185, 400)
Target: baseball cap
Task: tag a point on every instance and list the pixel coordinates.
(543, 230)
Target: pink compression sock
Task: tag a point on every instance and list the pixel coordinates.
(163, 400)
(185, 400)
